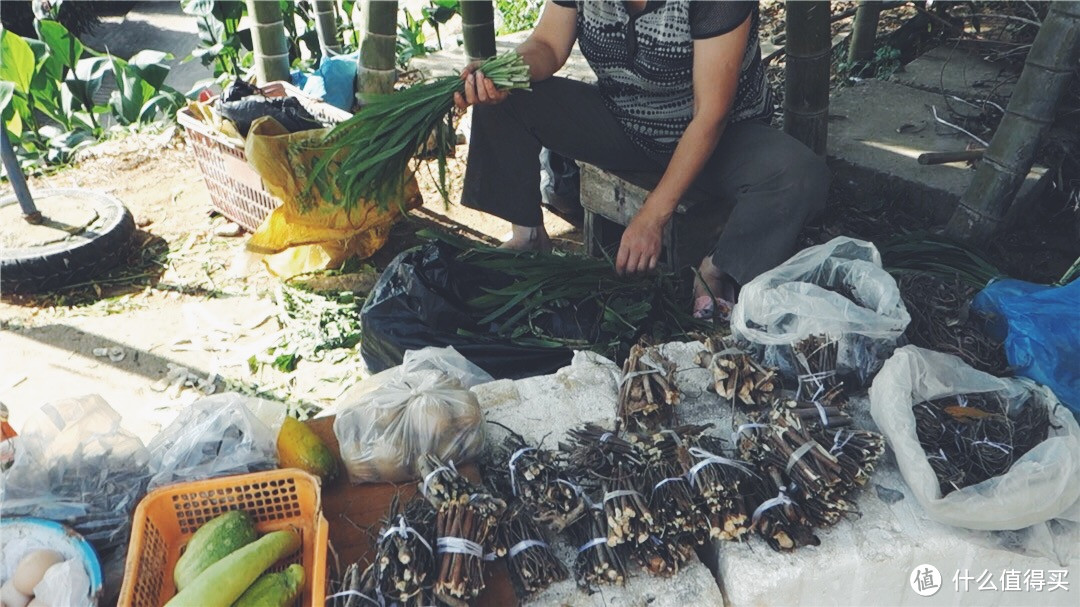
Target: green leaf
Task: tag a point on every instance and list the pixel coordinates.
(151, 66)
(197, 8)
(127, 100)
(7, 90)
(18, 62)
(85, 82)
(64, 46)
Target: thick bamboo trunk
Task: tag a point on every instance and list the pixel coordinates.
(806, 87)
(326, 27)
(863, 35)
(268, 41)
(478, 28)
(1051, 63)
(378, 49)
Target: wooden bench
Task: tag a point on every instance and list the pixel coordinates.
(612, 199)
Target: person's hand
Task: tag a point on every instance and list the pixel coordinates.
(639, 249)
(479, 90)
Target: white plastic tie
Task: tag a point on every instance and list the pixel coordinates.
(780, 500)
(430, 475)
(403, 530)
(666, 481)
(797, 455)
(381, 602)
(822, 413)
(513, 458)
(524, 545)
(610, 495)
(838, 446)
(708, 459)
(460, 545)
(593, 543)
(742, 430)
(818, 380)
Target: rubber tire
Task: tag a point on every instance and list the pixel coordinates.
(78, 259)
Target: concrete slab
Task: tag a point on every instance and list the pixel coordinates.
(877, 129)
(954, 71)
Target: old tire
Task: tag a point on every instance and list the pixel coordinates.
(76, 259)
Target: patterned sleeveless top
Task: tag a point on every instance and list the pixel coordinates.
(644, 63)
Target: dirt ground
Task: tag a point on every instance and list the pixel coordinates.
(186, 296)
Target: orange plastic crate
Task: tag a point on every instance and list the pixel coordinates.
(167, 517)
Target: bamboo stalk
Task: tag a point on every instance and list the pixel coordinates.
(326, 27)
(375, 71)
(268, 41)
(806, 90)
(1050, 66)
(478, 29)
(863, 36)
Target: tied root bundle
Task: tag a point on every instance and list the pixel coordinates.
(647, 393)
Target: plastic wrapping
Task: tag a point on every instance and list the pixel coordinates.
(1040, 326)
(796, 300)
(419, 301)
(1041, 485)
(64, 583)
(446, 360)
(76, 465)
(219, 435)
(384, 432)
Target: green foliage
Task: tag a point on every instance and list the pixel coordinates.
(412, 42)
(50, 110)
(884, 64)
(518, 15)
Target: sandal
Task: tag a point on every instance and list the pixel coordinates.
(707, 307)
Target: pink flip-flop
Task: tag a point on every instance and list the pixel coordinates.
(707, 307)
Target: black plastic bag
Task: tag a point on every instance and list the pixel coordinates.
(286, 110)
(420, 300)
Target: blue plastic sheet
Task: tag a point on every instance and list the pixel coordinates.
(334, 81)
(1040, 326)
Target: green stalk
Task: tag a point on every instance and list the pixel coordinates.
(367, 157)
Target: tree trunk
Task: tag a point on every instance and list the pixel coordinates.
(378, 50)
(863, 35)
(1050, 65)
(806, 80)
(268, 40)
(478, 29)
(326, 27)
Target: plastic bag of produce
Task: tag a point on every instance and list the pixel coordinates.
(420, 301)
(837, 289)
(1040, 325)
(1042, 484)
(219, 435)
(386, 430)
(76, 465)
(446, 360)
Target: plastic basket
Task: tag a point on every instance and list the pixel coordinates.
(167, 517)
(236, 190)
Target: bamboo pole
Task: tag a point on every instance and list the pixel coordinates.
(378, 49)
(863, 36)
(1051, 63)
(326, 27)
(806, 80)
(478, 29)
(268, 41)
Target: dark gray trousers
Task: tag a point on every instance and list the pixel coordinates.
(771, 183)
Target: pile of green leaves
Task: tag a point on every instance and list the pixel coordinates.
(922, 253)
(313, 324)
(548, 288)
(369, 154)
(47, 89)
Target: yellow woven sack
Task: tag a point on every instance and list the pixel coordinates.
(306, 233)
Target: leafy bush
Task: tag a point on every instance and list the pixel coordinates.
(48, 90)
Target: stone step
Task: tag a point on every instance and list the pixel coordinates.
(877, 129)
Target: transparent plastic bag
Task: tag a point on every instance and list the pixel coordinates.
(799, 298)
(74, 464)
(447, 360)
(1041, 485)
(219, 435)
(387, 429)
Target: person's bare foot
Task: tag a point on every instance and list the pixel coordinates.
(528, 239)
(714, 291)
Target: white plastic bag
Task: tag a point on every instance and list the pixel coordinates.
(446, 360)
(1041, 485)
(793, 301)
(388, 428)
(216, 436)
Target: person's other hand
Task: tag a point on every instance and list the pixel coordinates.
(479, 90)
(639, 249)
